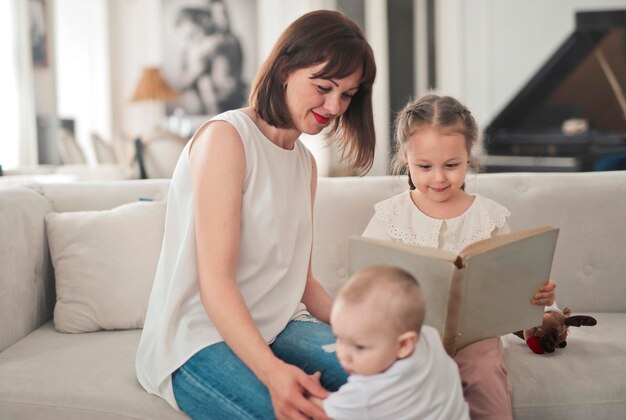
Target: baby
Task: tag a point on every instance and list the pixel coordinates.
(398, 368)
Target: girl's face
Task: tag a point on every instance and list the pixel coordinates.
(314, 103)
(437, 162)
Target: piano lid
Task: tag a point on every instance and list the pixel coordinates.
(584, 79)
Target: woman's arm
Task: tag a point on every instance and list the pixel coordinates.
(217, 161)
(318, 302)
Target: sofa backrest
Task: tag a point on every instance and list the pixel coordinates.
(26, 275)
(589, 209)
(84, 196)
(26, 284)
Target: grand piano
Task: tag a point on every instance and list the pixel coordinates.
(571, 115)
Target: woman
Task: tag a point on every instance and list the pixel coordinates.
(226, 334)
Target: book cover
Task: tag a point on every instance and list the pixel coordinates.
(484, 291)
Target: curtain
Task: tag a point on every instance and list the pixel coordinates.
(18, 140)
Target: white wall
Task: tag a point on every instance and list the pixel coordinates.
(376, 26)
(487, 50)
(500, 44)
(99, 97)
(18, 145)
(134, 42)
(83, 81)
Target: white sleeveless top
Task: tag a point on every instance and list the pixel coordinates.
(275, 248)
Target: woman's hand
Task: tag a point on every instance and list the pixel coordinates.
(546, 295)
(317, 401)
(289, 387)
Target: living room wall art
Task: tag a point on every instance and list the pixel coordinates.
(209, 53)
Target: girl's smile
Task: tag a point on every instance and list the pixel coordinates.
(439, 190)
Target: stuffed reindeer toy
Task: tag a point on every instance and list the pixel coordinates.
(553, 332)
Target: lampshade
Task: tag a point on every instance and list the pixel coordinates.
(152, 86)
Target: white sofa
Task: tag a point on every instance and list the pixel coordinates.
(43, 174)
(45, 374)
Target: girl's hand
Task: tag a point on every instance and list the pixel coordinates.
(289, 388)
(546, 295)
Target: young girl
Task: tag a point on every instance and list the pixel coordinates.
(434, 138)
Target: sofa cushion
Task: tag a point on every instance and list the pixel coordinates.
(53, 376)
(585, 380)
(104, 263)
(343, 207)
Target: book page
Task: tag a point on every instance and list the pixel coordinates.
(500, 283)
(496, 241)
(431, 267)
(413, 249)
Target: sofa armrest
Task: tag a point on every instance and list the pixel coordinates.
(26, 277)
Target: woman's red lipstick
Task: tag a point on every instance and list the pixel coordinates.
(320, 119)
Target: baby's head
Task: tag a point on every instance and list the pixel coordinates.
(377, 318)
(430, 129)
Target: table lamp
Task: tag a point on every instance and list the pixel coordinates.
(153, 88)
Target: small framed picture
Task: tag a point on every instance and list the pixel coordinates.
(38, 33)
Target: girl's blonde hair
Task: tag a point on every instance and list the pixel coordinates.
(440, 112)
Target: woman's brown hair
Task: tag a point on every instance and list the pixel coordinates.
(322, 36)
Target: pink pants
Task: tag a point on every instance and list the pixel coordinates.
(485, 380)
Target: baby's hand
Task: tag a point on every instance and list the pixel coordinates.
(546, 295)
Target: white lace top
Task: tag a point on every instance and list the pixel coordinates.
(398, 219)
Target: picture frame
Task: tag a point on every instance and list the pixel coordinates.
(209, 51)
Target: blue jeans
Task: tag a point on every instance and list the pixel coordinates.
(216, 384)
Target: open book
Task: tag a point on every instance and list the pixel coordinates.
(482, 292)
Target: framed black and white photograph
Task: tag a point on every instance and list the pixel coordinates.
(209, 53)
(38, 32)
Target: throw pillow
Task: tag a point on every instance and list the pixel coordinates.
(104, 264)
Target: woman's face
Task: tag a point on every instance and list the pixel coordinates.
(314, 103)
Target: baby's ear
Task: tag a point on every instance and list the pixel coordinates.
(406, 344)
